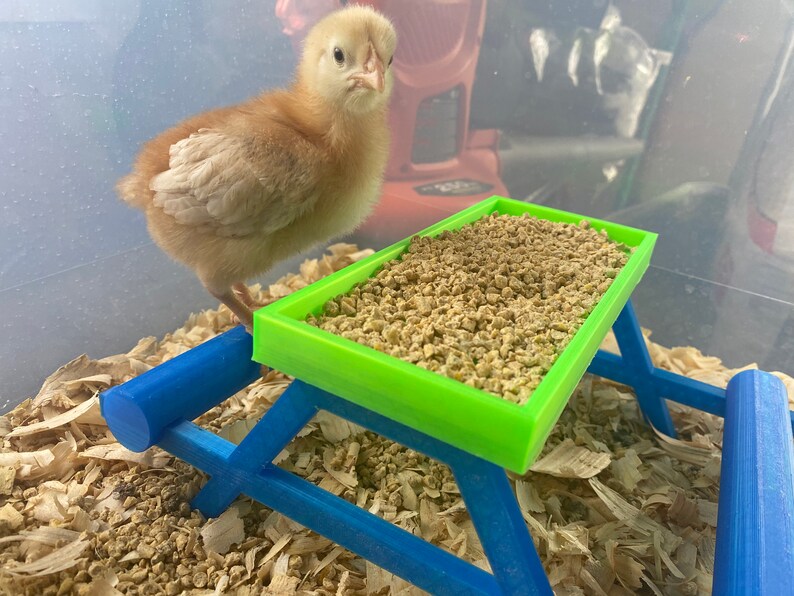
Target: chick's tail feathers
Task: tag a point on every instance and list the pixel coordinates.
(129, 189)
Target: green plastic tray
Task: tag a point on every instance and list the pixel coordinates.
(480, 423)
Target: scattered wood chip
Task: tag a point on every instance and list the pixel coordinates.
(335, 429)
(570, 540)
(628, 570)
(220, 533)
(568, 460)
(151, 458)
(280, 544)
(7, 476)
(707, 511)
(86, 411)
(686, 451)
(103, 587)
(58, 560)
(10, 517)
(627, 469)
(328, 559)
(632, 517)
(237, 430)
(683, 511)
(528, 498)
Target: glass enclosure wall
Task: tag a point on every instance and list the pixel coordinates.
(669, 115)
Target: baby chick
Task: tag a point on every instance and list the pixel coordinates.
(230, 192)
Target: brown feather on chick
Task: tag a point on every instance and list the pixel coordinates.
(232, 191)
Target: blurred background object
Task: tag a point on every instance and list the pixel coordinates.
(670, 115)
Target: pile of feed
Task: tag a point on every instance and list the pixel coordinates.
(612, 507)
(491, 305)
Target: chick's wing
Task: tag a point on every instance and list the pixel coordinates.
(236, 186)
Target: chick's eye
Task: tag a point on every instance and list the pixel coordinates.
(339, 56)
(390, 61)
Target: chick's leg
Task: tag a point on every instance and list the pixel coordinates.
(244, 294)
(237, 306)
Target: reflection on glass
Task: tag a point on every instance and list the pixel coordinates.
(673, 116)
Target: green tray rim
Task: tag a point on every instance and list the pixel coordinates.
(494, 429)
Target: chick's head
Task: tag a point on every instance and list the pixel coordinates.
(347, 57)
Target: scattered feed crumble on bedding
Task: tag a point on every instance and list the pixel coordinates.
(613, 507)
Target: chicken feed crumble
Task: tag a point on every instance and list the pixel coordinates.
(491, 305)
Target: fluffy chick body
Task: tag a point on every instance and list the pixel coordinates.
(232, 191)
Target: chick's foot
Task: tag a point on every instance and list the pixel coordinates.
(240, 311)
(244, 294)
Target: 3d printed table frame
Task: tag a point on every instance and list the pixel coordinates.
(755, 539)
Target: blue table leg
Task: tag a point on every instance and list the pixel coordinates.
(672, 386)
(634, 367)
(270, 435)
(501, 527)
(653, 385)
(636, 357)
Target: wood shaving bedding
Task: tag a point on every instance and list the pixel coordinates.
(613, 507)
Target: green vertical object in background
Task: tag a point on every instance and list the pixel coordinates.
(669, 42)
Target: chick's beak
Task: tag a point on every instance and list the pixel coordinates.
(372, 75)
